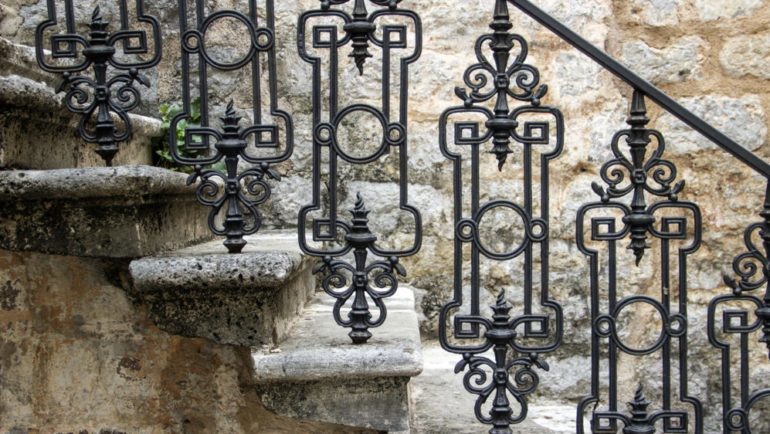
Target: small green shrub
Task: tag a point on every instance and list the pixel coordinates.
(161, 149)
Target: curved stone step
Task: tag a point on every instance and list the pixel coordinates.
(249, 299)
(39, 133)
(318, 374)
(115, 212)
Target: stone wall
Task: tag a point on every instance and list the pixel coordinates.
(711, 55)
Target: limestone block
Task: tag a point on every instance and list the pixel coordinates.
(658, 13)
(587, 18)
(747, 55)
(742, 118)
(120, 212)
(718, 9)
(681, 60)
(250, 298)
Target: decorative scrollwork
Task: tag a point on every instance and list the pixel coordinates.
(753, 271)
(377, 280)
(485, 377)
(233, 195)
(374, 281)
(502, 75)
(104, 101)
(500, 78)
(636, 176)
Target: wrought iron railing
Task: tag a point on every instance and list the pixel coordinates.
(104, 99)
(516, 340)
(250, 148)
(502, 111)
(368, 282)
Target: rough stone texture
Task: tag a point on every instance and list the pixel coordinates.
(741, 118)
(664, 33)
(681, 60)
(716, 9)
(34, 118)
(121, 212)
(77, 355)
(747, 55)
(246, 299)
(318, 374)
(657, 13)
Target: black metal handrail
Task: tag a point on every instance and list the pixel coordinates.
(639, 83)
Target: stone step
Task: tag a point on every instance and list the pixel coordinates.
(39, 132)
(247, 299)
(318, 374)
(440, 403)
(120, 212)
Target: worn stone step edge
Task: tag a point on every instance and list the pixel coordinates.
(24, 84)
(247, 299)
(119, 212)
(268, 260)
(319, 349)
(40, 133)
(121, 182)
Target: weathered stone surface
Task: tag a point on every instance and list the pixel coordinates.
(595, 107)
(587, 18)
(583, 79)
(250, 298)
(318, 374)
(747, 55)
(78, 356)
(743, 119)
(657, 13)
(120, 212)
(34, 119)
(681, 60)
(716, 9)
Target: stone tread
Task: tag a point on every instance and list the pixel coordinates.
(269, 260)
(88, 183)
(319, 349)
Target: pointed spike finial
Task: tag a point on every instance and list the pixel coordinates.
(638, 113)
(501, 298)
(501, 10)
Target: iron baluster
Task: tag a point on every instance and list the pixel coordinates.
(101, 99)
(645, 173)
(512, 374)
(753, 270)
(374, 274)
(249, 152)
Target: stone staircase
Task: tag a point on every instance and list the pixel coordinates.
(305, 366)
(318, 374)
(37, 131)
(120, 313)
